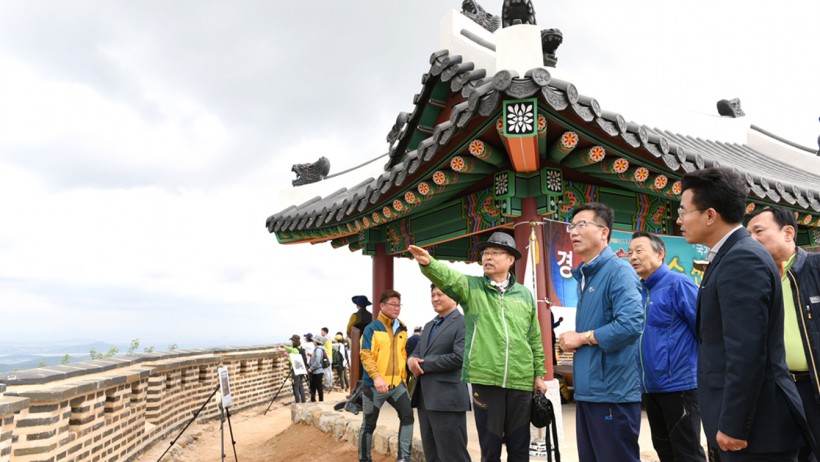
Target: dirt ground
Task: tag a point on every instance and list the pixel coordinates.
(259, 438)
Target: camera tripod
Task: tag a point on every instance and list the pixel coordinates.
(222, 412)
(290, 372)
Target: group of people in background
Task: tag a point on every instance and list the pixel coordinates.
(323, 358)
(736, 355)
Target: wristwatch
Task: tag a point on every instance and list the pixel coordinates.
(588, 337)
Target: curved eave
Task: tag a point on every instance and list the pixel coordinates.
(459, 98)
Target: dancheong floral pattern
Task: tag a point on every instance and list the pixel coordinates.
(750, 208)
(501, 184)
(409, 197)
(621, 165)
(641, 174)
(424, 188)
(388, 214)
(457, 163)
(569, 140)
(597, 154)
(520, 118)
(542, 123)
(677, 187)
(439, 178)
(397, 205)
(661, 181)
(554, 180)
(476, 148)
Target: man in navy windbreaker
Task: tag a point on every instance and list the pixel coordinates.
(608, 322)
(669, 352)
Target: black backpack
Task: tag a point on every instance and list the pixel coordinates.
(337, 358)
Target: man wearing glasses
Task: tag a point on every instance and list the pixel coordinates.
(608, 320)
(384, 359)
(503, 357)
(749, 405)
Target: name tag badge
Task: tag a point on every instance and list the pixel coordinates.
(814, 299)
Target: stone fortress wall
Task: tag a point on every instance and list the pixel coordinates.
(113, 409)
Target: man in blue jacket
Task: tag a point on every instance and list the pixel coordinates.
(608, 322)
(669, 352)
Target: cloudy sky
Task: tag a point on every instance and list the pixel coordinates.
(143, 144)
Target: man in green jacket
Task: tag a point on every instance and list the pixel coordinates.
(503, 357)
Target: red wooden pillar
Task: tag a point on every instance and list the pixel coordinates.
(382, 280)
(382, 276)
(522, 241)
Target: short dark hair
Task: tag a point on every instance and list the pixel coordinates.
(783, 217)
(657, 243)
(718, 188)
(326, 329)
(602, 212)
(388, 294)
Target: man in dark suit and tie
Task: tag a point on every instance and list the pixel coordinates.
(441, 397)
(750, 407)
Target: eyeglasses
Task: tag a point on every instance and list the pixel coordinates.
(493, 253)
(394, 305)
(682, 212)
(581, 225)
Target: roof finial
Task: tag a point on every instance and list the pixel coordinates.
(730, 107)
(516, 12)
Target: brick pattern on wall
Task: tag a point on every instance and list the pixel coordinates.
(112, 415)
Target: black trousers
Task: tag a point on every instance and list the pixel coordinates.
(316, 385)
(742, 456)
(502, 416)
(674, 419)
(812, 410)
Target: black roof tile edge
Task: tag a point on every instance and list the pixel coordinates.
(483, 95)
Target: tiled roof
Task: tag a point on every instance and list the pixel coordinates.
(768, 178)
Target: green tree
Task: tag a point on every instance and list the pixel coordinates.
(92, 354)
(135, 344)
(42, 364)
(66, 359)
(111, 352)
(148, 349)
(172, 347)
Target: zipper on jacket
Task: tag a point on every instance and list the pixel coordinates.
(393, 351)
(507, 343)
(805, 331)
(472, 342)
(640, 344)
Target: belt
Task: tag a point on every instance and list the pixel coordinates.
(393, 387)
(799, 376)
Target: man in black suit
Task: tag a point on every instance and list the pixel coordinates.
(750, 407)
(441, 397)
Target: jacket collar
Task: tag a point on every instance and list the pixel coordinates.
(655, 277)
(730, 242)
(388, 323)
(799, 260)
(510, 281)
(597, 263)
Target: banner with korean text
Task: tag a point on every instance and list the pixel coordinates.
(562, 289)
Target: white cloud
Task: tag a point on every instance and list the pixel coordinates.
(142, 145)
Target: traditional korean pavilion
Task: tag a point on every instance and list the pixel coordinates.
(497, 137)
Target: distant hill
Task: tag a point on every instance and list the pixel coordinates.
(22, 356)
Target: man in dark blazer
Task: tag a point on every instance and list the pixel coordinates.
(750, 407)
(441, 397)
